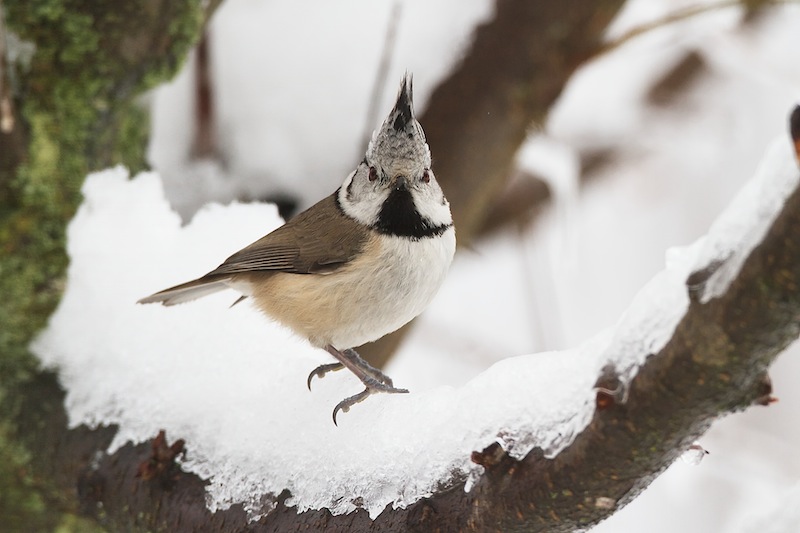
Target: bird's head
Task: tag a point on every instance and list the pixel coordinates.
(393, 190)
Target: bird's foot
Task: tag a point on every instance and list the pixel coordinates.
(373, 379)
(372, 386)
(352, 356)
(321, 370)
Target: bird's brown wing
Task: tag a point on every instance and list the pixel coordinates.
(318, 240)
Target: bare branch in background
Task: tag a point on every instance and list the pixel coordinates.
(678, 79)
(204, 142)
(516, 67)
(519, 203)
(526, 195)
(753, 10)
(522, 201)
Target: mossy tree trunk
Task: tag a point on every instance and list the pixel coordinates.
(69, 78)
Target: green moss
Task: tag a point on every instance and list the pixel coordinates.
(21, 504)
(75, 524)
(21, 507)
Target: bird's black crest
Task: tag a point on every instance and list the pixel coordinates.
(403, 105)
(399, 216)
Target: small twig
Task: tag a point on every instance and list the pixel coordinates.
(677, 16)
(204, 143)
(161, 463)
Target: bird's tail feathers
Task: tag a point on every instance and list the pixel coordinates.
(186, 292)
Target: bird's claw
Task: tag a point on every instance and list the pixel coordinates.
(321, 370)
(372, 386)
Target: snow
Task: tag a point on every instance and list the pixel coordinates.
(733, 231)
(526, 290)
(781, 516)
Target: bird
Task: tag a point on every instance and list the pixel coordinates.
(355, 266)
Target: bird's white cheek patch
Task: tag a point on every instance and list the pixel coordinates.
(365, 210)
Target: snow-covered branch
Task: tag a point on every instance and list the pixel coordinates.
(694, 345)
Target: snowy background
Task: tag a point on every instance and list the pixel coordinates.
(550, 286)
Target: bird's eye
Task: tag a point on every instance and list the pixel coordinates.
(426, 176)
(373, 174)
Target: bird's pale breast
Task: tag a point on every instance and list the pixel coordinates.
(392, 281)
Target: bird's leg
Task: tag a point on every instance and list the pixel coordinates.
(371, 370)
(321, 370)
(366, 373)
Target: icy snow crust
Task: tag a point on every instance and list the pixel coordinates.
(232, 383)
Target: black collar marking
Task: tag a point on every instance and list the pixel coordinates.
(399, 216)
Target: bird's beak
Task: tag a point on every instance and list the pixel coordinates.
(401, 183)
